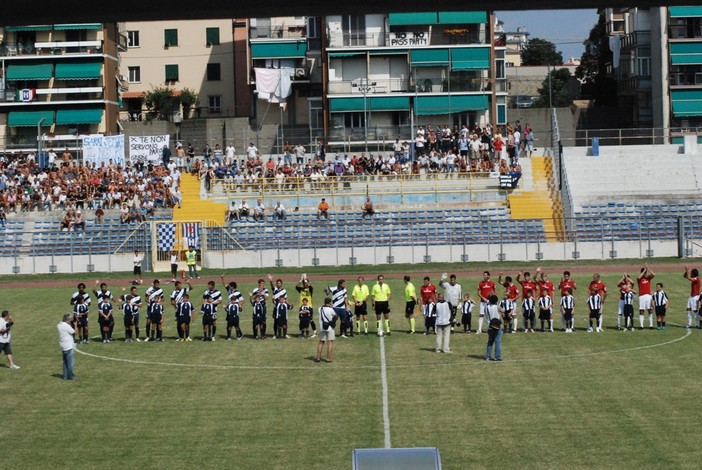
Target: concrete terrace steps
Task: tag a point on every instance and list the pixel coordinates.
(193, 207)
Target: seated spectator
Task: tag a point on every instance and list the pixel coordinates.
(368, 210)
(66, 223)
(279, 211)
(323, 209)
(99, 215)
(259, 210)
(242, 211)
(230, 214)
(79, 221)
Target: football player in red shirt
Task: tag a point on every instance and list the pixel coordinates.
(426, 292)
(527, 284)
(567, 284)
(645, 298)
(543, 282)
(486, 288)
(693, 275)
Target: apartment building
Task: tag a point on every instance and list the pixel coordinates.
(193, 54)
(57, 82)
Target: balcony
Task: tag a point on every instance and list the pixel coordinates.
(423, 84)
(54, 95)
(688, 31)
(449, 36)
(380, 86)
(637, 38)
(680, 79)
(51, 47)
(280, 31)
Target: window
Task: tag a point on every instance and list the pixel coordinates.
(134, 75)
(213, 72)
(354, 29)
(212, 36)
(172, 73)
(214, 104)
(133, 39)
(170, 37)
(500, 68)
(313, 27)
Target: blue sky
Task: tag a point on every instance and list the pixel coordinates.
(566, 28)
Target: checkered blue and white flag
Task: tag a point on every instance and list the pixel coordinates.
(191, 234)
(165, 236)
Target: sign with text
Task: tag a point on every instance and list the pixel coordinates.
(147, 148)
(416, 38)
(100, 149)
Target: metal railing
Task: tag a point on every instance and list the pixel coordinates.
(631, 136)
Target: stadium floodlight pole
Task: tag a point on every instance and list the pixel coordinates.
(39, 142)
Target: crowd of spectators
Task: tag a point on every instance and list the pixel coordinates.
(438, 152)
(71, 186)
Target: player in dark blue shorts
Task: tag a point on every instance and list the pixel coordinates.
(105, 319)
(233, 312)
(156, 317)
(281, 318)
(184, 313)
(80, 310)
(305, 316)
(207, 310)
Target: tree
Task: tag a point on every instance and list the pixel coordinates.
(557, 88)
(159, 101)
(541, 52)
(188, 98)
(592, 71)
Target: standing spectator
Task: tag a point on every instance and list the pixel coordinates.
(323, 209)
(443, 325)
(3, 217)
(66, 332)
(137, 268)
(207, 152)
(174, 264)
(327, 320)
(299, 154)
(191, 260)
(5, 336)
(528, 141)
(217, 154)
(494, 330)
(166, 156)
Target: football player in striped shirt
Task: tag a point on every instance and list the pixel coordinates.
(306, 290)
(628, 298)
(135, 302)
(507, 310)
(207, 310)
(80, 311)
(278, 293)
(103, 295)
(154, 294)
(567, 309)
(546, 310)
(106, 319)
(594, 305)
(529, 311)
(215, 298)
(466, 312)
(660, 303)
(622, 286)
(127, 312)
(178, 297)
(429, 312)
(305, 315)
(258, 297)
(233, 314)
(82, 325)
(184, 315)
(281, 316)
(340, 304)
(156, 317)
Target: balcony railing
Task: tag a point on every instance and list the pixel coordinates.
(52, 95)
(381, 39)
(433, 84)
(281, 31)
(636, 38)
(51, 47)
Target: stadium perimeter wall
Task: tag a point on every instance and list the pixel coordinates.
(377, 255)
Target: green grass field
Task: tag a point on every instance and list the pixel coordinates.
(613, 400)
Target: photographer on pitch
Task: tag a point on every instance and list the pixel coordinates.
(67, 344)
(5, 335)
(327, 323)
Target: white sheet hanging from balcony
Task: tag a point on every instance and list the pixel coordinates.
(274, 85)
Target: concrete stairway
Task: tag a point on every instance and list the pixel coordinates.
(543, 202)
(194, 208)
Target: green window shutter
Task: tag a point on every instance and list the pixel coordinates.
(172, 72)
(463, 17)
(170, 37)
(212, 36)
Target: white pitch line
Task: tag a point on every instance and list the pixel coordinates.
(371, 367)
(384, 382)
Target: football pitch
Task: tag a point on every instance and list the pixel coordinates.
(583, 400)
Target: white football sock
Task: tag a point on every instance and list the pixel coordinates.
(641, 320)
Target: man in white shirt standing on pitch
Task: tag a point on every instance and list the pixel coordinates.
(443, 325)
(66, 331)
